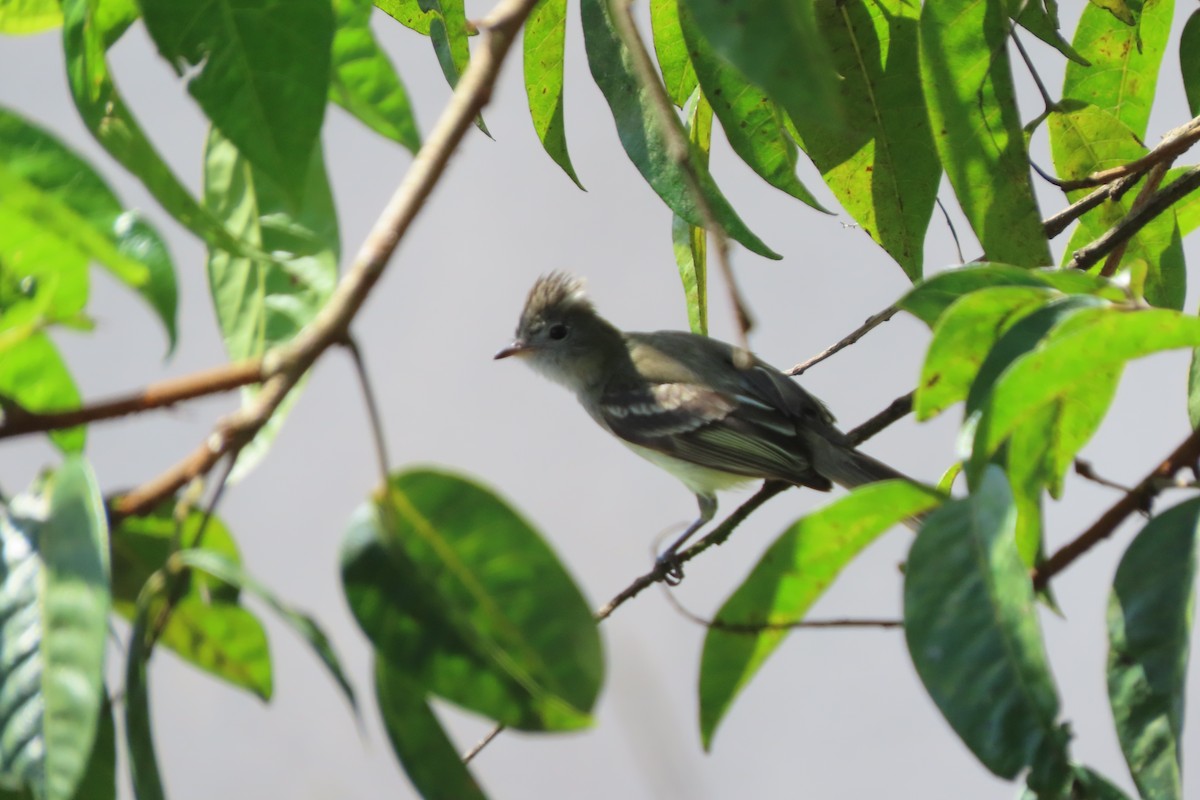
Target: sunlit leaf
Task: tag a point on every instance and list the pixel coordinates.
(34, 376)
(671, 50)
(29, 16)
(545, 40)
(690, 243)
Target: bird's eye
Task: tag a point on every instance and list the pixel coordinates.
(557, 331)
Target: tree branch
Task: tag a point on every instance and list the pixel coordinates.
(287, 363)
(1173, 144)
(872, 322)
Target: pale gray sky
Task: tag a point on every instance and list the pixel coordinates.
(834, 714)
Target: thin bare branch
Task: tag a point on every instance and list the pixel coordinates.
(373, 414)
(899, 408)
(482, 743)
(1174, 143)
(750, 629)
(872, 322)
(1154, 179)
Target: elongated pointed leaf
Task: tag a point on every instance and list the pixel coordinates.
(139, 734)
(689, 242)
(753, 123)
(259, 69)
(796, 570)
(1149, 633)
(967, 79)
(545, 41)
(1040, 17)
(99, 780)
(674, 62)
(777, 45)
(971, 624)
(640, 129)
(1124, 62)
(418, 739)
(408, 13)
(363, 80)
(1189, 61)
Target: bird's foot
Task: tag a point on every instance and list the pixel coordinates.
(671, 568)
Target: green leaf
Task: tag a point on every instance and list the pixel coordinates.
(1087, 139)
(779, 47)
(60, 197)
(418, 739)
(139, 736)
(962, 338)
(99, 780)
(223, 639)
(1099, 340)
(753, 123)
(1127, 11)
(54, 605)
(363, 80)
(545, 41)
(458, 592)
(1149, 634)
(263, 303)
(1193, 401)
(930, 299)
(882, 164)
(408, 13)
(260, 71)
(640, 129)
(970, 620)
(679, 76)
(1086, 784)
(229, 571)
(1124, 62)
(794, 572)
(1041, 19)
(29, 16)
(34, 376)
(1189, 61)
(90, 27)
(967, 79)
(690, 243)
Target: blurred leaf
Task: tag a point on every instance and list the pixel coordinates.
(1087, 139)
(671, 50)
(689, 242)
(1189, 61)
(882, 164)
(640, 129)
(1193, 401)
(99, 780)
(29, 16)
(461, 595)
(929, 299)
(33, 375)
(139, 736)
(794, 572)
(1149, 633)
(1086, 784)
(1100, 340)
(1124, 62)
(59, 197)
(1040, 17)
(90, 27)
(545, 39)
(753, 123)
(223, 639)
(977, 127)
(54, 605)
(263, 303)
(363, 80)
(962, 338)
(259, 69)
(971, 624)
(418, 739)
(229, 571)
(779, 47)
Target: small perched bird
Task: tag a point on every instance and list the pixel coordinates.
(711, 414)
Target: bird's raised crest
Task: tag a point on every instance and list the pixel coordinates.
(559, 291)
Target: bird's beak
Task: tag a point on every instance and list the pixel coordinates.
(517, 348)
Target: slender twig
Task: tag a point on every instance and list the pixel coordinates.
(899, 408)
(17, 421)
(751, 628)
(1173, 144)
(1057, 223)
(953, 230)
(373, 414)
(482, 743)
(872, 322)
(1154, 179)
(1037, 78)
(287, 363)
(1084, 470)
(1137, 499)
(1136, 219)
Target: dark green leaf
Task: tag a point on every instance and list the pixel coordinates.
(259, 69)
(639, 126)
(454, 589)
(545, 41)
(33, 375)
(679, 76)
(418, 739)
(1189, 61)
(882, 165)
(796, 570)
(1149, 634)
(779, 47)
(363, 80)
(229, 571)
(261, 303)
(139, 736)
(1040, 17)
(753, 123)
(29, 16)
(1124, 62)
(968, 86)
(99, 781)
(971, 623)
(1193, 402)
(1127, 11)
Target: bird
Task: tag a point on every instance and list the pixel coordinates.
(711, 414)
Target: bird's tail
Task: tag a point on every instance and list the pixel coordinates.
(846, 466)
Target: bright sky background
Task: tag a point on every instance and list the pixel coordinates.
(834, 714)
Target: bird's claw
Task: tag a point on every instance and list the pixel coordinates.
(669, 566)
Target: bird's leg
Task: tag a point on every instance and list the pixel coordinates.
(670, 556)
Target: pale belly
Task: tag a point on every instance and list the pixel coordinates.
(701, 480)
